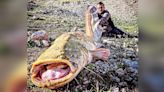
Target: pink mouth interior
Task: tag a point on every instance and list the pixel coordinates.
(53, 74)
(53, 71)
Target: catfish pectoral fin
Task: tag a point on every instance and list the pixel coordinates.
(101, 53)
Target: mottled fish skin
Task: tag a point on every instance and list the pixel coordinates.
(77, 45)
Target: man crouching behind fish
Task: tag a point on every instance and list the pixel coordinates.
(65, 58)
(95, 33)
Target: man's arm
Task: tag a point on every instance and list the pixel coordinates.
(106, 15)
(105, 18)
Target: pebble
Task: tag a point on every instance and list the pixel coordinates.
(123, 90)
(132, 70)
(122, 84)
(37, 43)
(102, 67)
(116, 79)
(39, 35)
(120, 72)
(45, 43)
(113, 67)
(129, 63)
(86, 82)
(115, 89)
(129, 79)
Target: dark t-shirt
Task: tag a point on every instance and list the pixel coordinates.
(104, 14)
(106, 19)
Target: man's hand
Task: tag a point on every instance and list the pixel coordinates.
(91, 9)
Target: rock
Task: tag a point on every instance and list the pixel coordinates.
(114, 66)
(86, 82)
(123, 90)
(129, 63)
(102, 67)
(31, 43)
(131, 70)
(29, 33)
(129, 79)
(39, 39)
(133, 75)
(120, 72)
(38, 43)
(112, 60)
(129, 53)
(115, 79)
(107, 41)
(134, 82)
(114, 57)
(31, 5)
(122, 84)
(45, 43)
(34, 17)
(115, 89)
(39, 35)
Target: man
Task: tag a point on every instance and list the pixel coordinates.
(102, 23)
(94, 32)
(93, 29)
(107, 23)
(98, 22)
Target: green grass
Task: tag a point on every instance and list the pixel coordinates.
(130, 27)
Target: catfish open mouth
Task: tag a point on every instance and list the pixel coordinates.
(52, 71)
(55, 71)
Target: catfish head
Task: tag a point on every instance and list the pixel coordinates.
(64, 59)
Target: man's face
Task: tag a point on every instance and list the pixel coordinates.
(100, 8)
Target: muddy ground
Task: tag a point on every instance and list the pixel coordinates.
(119, 73)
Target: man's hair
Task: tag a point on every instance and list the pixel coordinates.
(100, 3)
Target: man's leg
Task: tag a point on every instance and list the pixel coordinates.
(111, 30)
(117, 31)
